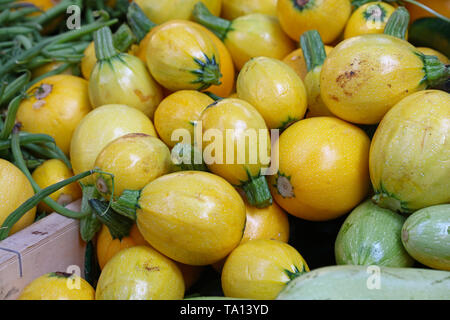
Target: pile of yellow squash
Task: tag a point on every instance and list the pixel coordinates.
(316, 73)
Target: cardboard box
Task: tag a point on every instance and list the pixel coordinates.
(50, 244)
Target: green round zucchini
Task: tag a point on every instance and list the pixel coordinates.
(371, 235)
(368, 283)
(426, 236)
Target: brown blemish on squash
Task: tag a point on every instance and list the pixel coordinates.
(334, 98)
(141, 96)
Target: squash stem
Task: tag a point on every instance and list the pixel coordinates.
(138, 21)
(123, 38)
(89, 225)
(257, 192)
(219, 26)
(208, 73)
(313, 49)
(118, 225)
(398, 22)
(436, 73)
(127, 203)
(104, 47)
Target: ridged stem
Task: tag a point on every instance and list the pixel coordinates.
(219, 26)
(313, 49)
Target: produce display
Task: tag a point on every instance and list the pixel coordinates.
(229, 150)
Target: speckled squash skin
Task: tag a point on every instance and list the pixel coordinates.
(134, 159)
(140, 273)
(180, 110)
(124, 80)
(171, 52)
(274, 89)
(192, 217)
(409, 153)
(371, 235)
(425, 236)
(239, 116)
(15, 189)
(58, 109)
(51, 172)
(369, 18)
(364, 76)
(58, 286)
(260, 269)
(101, 126)
(263, 223)
(323, 168)
(256, 35)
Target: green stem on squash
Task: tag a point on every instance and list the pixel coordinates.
(257, 192)
(436, 73)
(89, 225)
(118, 225)
(219, 26)
(138, 21)
(313, 49)
(123, 38)
(397, 24)
(127, 203)
(104, 46)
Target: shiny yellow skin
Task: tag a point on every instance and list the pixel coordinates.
(171, 50)
(257, 269)
(88, 61)
(162, 11)
(140, 273)
(256, 35)
(274, 89)
(323, 168)
(15, 189)
(134, 159)
(179, 110)
(59, 113)
(124, 80)
(316, 106)
(107, 247)
(238, 115)
(56, 286)
(296, 61)
(410, 151)
(364, 76)
(432, 52)
(368, 19)
(231, 9)
(263, 223)
(101, 126)
(328, 17)
(40, 71)
(192, 217)
(51, 172)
